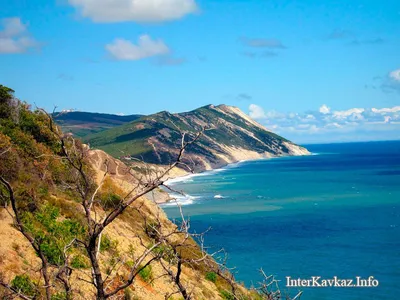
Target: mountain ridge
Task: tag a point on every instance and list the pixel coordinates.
(83, 123)
(229, 136)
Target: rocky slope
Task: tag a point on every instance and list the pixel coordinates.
(17, 256)
(230, 136)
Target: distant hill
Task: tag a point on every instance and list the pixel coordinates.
(231, 136)
(84, 123)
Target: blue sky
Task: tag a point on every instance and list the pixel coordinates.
(279, 61)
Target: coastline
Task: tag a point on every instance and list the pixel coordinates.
(182, 176)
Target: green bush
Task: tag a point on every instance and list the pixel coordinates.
(24, 285)
(226, 295)
(146, 273)
(130, 263)
(211, 276)
(109, 245)
(164, 252)
(52, 251)
(105, 243)
(53, 234)
(110, 200)
(79, 262)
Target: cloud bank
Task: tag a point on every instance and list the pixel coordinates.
(15, 38)
(122, 49)
(134, 10)
(326, 125)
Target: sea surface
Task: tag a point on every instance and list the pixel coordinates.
(334, 213)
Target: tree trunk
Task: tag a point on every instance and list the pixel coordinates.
(98, 277)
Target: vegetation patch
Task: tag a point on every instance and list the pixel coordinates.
(146, 273)
(79, 262)
(24, 285)
(211, 276)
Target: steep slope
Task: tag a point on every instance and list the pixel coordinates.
(84, 123)
(45, 230)
(230, 136)
(17, 256)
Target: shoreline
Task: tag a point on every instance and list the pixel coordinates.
(187, 176)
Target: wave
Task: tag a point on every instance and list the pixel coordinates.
(180, 199)
(189, 178)
(219, 197)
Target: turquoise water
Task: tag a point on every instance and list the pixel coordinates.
(336, 213)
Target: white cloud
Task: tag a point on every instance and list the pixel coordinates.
(386, 110)
(15, 38)
(134, 10)
(324, 109)
(125, 50)
(391, 83)
(346, 113)
(395, 75)
(256, 112)
(310, 117)
(327, 125)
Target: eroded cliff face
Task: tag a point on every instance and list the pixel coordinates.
(229, 136)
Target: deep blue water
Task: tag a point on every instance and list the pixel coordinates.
(336, 213)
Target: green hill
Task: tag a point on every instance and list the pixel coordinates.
(230, 136)
(84, 123)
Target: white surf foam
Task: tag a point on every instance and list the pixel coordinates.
(180, 199)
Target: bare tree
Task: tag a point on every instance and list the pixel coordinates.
(35, 243)
(269, 288)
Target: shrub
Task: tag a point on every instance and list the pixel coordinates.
(211, 276)
(53, 234)
(110, 200)
(164, 252)
(24, 285)
(226, 295)
(130, 263)
(106, 244)
(52, 252)
(79, 262)
(146, 273)
(109, 194)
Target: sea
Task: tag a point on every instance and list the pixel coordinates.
(333, 213)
